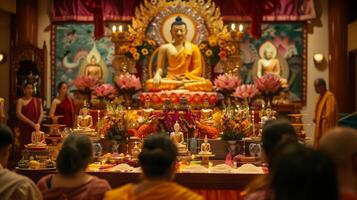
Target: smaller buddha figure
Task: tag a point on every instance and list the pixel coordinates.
(93, 69)
(269, 115)
(38, 138)
(269, 63)
(177, 136)
(205, 147)
(84, 120)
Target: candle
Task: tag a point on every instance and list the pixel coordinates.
(233, 27)
(114, 28)
(120, 28)
(240, 28)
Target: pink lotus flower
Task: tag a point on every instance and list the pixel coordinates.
(128, 82)
(246, 91)
(85, 82)
(226, 82)
(268, 84)
(105, 91)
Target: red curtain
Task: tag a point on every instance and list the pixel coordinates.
(255, 11)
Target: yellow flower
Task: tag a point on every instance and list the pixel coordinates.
(209, 53)
(124, 49)
(136, 56)
(202, 46)
(151, 42)
(144, 51)
(137, 43)
(212, 41)
(133, 50)
(222, 43)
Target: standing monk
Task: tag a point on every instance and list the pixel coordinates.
(29, 112)
(326, 112)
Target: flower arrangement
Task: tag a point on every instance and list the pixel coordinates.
(138, 49)
(226, 83)
(246, 91)
(216, 48)
(236, 123)
(105, 91)
(116, 123)
(84, 83)
(268, 85)
(128, 83)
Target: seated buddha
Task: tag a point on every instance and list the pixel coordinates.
(177, 136)
(84, 120)
(205, 147)
(184, 63)
(38, 138)
(269, 63)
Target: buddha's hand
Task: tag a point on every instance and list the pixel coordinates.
(157, 80)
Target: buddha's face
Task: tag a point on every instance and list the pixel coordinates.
(177, 127)
(268, 53)
(84, 111)
(28, 90)
(179, 32)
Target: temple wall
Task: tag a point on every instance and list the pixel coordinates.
(317, 43)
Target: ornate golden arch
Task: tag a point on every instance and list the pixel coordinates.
(147, 11)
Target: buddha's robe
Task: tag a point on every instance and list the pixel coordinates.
(164, 191)
(326, 115)
(187, 62)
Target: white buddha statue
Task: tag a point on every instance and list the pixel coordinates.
(177, 136)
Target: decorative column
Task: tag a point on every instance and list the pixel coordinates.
(340, 78)
(26, 22)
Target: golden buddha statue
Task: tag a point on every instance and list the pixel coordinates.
(177, 136)
(84, 120)
(93, 69)
(205, 147)
(38, 138)
(184, 63)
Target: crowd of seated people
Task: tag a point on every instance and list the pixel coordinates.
(295, 171)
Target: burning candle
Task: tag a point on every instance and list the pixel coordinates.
(120, 28)
(233, 27)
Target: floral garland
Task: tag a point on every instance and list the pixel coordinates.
(138, 49)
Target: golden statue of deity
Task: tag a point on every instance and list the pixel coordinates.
(184, 63)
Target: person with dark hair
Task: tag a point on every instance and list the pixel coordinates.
(326, 112)
(276, 135)
(29, 112)
(63, 105)
(341, 144)
(12, 185)
(303, 173)
(179, 64)
(157, 160)
(72, 182)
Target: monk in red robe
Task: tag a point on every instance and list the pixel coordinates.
(29, 113)
(63, 105)
(326, 112)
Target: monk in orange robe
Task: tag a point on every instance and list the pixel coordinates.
(326, 112)
(157, 160)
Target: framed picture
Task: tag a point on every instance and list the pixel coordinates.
(282, 44)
